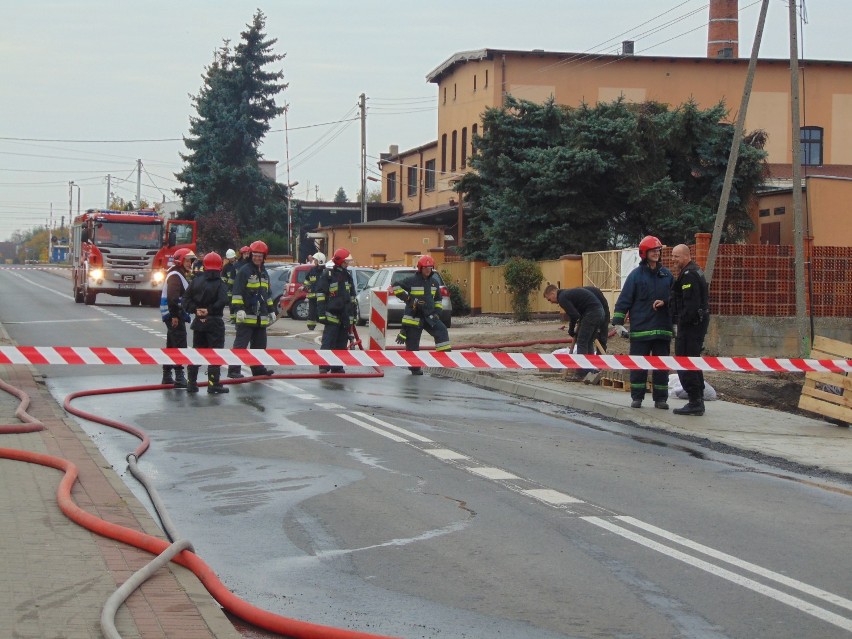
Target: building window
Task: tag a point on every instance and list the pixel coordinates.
(444, 153)
(453, 152)
(412, 181)
(430, 175)
(811, 139)
(464, 147)
(763, 213)
(445, 95)
(474, 82)
(391, 182)
(455, 90)
(779, 210)
(486, 77)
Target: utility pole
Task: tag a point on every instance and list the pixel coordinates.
(289, 186)
(798, 235)
(109, 188)
(70, 200)
(363, 105)
(722, 211)
(138, 183)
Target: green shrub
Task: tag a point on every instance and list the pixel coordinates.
(523, 277)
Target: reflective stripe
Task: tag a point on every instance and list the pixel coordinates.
(443, 346)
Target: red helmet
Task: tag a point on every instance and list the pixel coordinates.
(648, 243)
(181, 254)
(259, 247)
(245, 249)
(212, 262)
(425, 260)
(340, 256)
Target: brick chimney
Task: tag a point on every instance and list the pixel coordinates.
(723, 34)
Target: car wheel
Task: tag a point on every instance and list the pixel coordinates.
(89, 296)
(300, 310)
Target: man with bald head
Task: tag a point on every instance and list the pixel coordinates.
(690, 307)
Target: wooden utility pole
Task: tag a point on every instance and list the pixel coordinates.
(798, 235)
(362, 103)
(722, 211)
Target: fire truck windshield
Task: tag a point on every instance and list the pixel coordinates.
(128, 235)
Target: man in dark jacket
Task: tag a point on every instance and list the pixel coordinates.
(336, 305)
(645, 296)
(206, 298)
(252, 306)
(172, 314)
(603, 329)
(310, 288)
(580, 305)
(690, 310)
(423, 304)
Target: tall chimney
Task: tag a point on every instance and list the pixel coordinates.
(723, 34)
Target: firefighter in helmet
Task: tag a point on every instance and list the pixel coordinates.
(206, 298)
(172, 314)
(336, 305)
(253, 307)
(310, 287)
(229, 272)
(645, 297)
(423, 303)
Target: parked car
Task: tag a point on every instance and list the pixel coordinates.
(294, 300)
(279, 275)
(385, 279)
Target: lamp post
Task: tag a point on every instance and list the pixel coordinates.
(290, 220)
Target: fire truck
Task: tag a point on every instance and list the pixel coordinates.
(124, 253)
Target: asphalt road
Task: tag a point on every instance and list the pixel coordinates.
(423, 507)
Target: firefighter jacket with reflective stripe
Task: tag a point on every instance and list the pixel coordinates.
(251, 294)
(311, 280)
(422, 297)
(641, 288)
(690, 304)
(171, 296)
(335, 295)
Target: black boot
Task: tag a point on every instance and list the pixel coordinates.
(192, 382)
(694, 407)
(167, 376)
(214, 386)
(180, 378)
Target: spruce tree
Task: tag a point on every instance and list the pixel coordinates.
(233, 112)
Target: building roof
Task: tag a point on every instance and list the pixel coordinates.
(447, 65)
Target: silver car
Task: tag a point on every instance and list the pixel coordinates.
(385, 279)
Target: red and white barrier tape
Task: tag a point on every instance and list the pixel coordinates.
(78, 355)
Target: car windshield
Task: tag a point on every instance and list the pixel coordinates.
(129, 235)
(402, 275)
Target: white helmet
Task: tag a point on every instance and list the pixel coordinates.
(230, 254)
(329, 265)
(319, 257)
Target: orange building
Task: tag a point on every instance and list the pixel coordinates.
(469, 82)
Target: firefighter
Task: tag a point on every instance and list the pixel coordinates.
(423, 302)
(253, 307)
(580, 305)
(690, 309)
(206, 298)
(310, 286)
(229, 271)
(336, 305)
(173, 315)
(645, 296)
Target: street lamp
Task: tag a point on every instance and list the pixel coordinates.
(71, 186)
(290, 219)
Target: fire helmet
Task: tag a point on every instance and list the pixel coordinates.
(212, 262)
(340, 256)
(230, 254)
(425, 260)
(648, 243)
(319, 257)
(245, 249)
(259, 247)
(180, 256)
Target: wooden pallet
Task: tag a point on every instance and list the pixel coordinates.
(828, 394)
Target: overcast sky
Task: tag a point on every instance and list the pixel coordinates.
(79, 79)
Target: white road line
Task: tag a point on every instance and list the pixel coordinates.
(491, 473)
(740, 563)
(371, 428)
(768, 591)
(444, 453)
(551, 496)
(330, 406)
(398, 429)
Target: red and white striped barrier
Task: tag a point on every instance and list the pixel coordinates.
(78, 355)
(378, 320)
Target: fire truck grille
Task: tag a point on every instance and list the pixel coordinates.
(128, 262)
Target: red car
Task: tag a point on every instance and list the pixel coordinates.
(294, 300)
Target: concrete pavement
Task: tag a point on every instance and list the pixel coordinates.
(57, 575)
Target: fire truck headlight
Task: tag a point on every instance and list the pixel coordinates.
(96, 274)
(158, 277)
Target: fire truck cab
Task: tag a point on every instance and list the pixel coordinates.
(124, 253)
